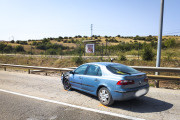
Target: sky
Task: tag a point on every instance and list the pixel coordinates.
(38, 19)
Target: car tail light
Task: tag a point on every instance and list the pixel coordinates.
(125, 82)
(145, 79)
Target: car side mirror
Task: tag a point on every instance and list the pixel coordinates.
(71, 72)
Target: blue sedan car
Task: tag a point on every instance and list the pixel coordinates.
(109, 81)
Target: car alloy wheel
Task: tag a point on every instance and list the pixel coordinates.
(66, 84)
(105, 97)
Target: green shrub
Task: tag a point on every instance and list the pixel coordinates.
(34, 42)
(169, 56)
(122, 57)
(7, 50)
(170, 43)
(52, 51)
(147, 53)
(30, 53)
(100, 59)
(78, 60)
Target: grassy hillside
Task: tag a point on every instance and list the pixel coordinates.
(102, 40)
(75, 45)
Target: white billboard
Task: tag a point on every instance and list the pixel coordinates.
(89, 48)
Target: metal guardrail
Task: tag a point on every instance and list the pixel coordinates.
(43, 69)
(156, 69)
(140, 68)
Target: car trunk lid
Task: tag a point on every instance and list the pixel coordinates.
(138, 80)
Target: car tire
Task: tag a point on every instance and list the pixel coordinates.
(105, 97)
(66, 84)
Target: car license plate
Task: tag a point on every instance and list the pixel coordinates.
(140, 92)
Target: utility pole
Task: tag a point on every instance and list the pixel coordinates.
(91, 31)
(158, 58)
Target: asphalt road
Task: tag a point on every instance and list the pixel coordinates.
(159, 104)
(15, 107)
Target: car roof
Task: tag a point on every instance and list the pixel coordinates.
(103, 63)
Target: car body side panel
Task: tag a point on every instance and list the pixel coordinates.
(90, 82)
(76, 80)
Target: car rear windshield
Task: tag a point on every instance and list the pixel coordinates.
(121, 69)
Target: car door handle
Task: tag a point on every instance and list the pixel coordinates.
(80, 77)
(96, 80)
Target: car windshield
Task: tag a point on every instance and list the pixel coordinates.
(121, 69)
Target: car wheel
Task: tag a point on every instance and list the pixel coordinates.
(105, 97)
(66, 84)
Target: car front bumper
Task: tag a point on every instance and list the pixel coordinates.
(127, 94)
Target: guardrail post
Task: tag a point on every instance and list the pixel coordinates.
(61, 73)
(4, 68)
(28, 71)
(156, 82)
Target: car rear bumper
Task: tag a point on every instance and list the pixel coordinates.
(127, 94)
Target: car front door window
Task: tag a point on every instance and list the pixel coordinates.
(81, 69)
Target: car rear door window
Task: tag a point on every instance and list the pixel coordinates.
(99, 72)
(92, 70)
(81, 69)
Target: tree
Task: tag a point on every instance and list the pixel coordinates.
(137, 36)
(12, 41)
(118, 36)
(85, 36)
(65, 37)
(45, 40)
(17, 41)
(79, 36)
(2, 46)
(19, 48)
(60, 37)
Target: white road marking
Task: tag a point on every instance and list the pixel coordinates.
(71, 105)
